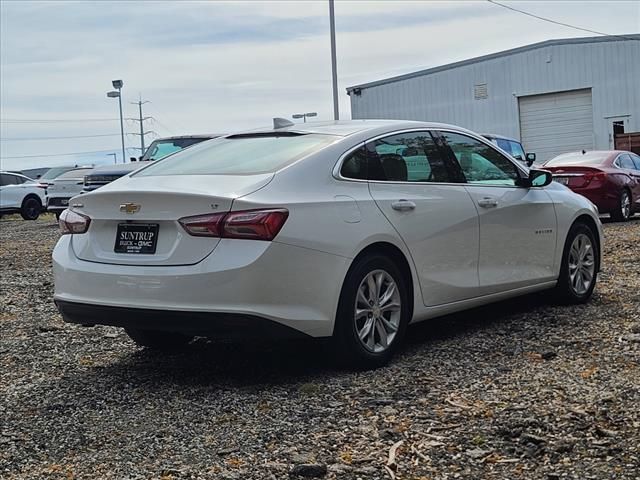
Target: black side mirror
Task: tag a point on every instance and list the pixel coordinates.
(133, 159)
(539, 178)
(531, 157)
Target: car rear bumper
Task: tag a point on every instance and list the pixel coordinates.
(606, 199)
(57, 204)
(295, 287)
(219, 325)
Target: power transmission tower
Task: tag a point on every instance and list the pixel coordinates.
(141, 121)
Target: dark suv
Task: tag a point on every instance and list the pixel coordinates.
(158, 149)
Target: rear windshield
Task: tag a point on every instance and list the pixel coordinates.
(577, 159)
(77, 173)
(55, 172)
(242, 155)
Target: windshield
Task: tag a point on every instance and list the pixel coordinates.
(55, 172)
(243, 155)
(161, 148)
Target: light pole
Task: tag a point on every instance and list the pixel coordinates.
(114, 157)
(117, 84)
(334, 73)
(304, 115)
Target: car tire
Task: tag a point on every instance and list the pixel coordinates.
(580, 260)
(625, 203)
(158, 340)
(383, 316)
(30, 209)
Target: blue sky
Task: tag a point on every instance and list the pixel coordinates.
(223, 66)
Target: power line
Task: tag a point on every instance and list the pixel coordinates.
(56, 120)
(61, 154)
(556, 22)
(59, 138)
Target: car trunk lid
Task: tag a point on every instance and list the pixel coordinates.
(122, 213)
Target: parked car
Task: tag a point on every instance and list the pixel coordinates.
(317, 230)
(512, 147)
(610, 179)
(20, 194)
(64, 187)
(158, 149)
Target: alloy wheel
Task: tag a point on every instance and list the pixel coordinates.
(625, 205)
(582, 264)
(377, 311)
(32, 209)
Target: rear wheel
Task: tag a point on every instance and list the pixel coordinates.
(31, 208)
(580, 260)
(623, 212)
(372, 313)
(158, 340)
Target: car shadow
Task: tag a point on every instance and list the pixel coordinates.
(210, 362)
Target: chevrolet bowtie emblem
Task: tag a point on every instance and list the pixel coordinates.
(129, 208)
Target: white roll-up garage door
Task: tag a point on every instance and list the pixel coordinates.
(556, 123)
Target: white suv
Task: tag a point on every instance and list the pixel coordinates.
(62, 188)
(20, 194)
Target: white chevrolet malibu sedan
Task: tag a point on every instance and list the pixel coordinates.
(350, 230)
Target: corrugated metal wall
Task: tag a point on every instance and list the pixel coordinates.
(610, 69)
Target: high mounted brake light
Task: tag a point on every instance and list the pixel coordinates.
(247, 224)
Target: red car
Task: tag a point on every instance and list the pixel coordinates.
(610, 179)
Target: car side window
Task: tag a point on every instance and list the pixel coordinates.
(355, 165)
(480, 163)
(625, 162)
(636, 160)
(6, 179)
(409, 157)
(517, 151)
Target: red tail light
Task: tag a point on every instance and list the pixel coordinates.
(595, 177)
(247, 224)
(71, 222)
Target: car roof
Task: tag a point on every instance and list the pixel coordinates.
(345, 128)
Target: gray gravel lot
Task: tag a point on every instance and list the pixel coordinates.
(523, 389)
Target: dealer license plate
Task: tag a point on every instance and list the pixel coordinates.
(137, 238)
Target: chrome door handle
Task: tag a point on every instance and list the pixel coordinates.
(488, 202)
(403, 205)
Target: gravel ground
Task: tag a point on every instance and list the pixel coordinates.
(522, 389)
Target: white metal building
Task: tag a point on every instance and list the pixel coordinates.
(555, 96)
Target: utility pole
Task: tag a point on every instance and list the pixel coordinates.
(334, 73)
(141, 120)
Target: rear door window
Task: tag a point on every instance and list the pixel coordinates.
(625, 161)
(636, 160)
(8, 179)
(409, 157)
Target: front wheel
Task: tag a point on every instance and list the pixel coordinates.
(579, 269)
(30, 209)
(623, 212)
(372, 313)
(158, 340)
